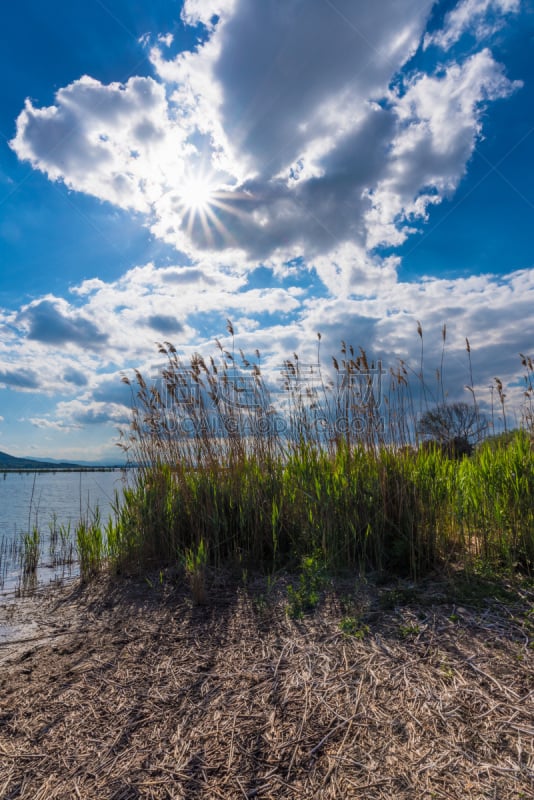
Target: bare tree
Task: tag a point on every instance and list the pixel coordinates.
(456, 427)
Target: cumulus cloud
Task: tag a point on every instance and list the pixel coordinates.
(482, 18)
(370, 307)
(203, 12)
(439, 120)
(145, 305)
(298, 135)
(284, 121)
(112, 141)
(19, 379)
(77, 414)
(110, 389)
(106, 401)
(166, 38)
(164, 323)
(294, 73)
(52, 322)
(96, 413)
(167, 300)
(52, 424)
(75, 376)
(384, 322)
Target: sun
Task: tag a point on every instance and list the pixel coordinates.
(203, 205)
(196, 194)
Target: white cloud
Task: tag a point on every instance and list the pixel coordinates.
(439, 121)
(52, 424)
(367, 306)
(166, 39)
(116, 142)
(277, 109)
(482, 18)
(109, 325)
(349, 271)
(52, 321)
(202, 12)
(287, 117)
(80, 413)
(316, 145)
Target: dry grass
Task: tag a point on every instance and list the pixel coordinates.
(128, 691)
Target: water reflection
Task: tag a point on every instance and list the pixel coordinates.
(39, 513)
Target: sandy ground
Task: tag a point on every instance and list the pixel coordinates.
(125, 689)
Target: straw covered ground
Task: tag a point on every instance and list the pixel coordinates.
(125, 689)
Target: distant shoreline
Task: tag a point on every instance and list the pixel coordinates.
(11, 470)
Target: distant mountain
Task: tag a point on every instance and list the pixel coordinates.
(8, 462)
(105, 462)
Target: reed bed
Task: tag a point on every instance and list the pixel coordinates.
(332, 464)
(57, 551)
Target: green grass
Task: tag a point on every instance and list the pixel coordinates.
(361, 510)
(91, 546)
(252, 497)
(31, 552)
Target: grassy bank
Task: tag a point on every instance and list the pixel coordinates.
(400, 512)
(326, 474)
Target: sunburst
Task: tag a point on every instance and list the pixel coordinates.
(197, 194)
(199, 201)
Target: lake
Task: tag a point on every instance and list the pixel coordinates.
(52, 502)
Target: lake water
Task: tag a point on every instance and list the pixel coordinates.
(52, 502)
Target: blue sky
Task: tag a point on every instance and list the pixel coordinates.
(311, 165)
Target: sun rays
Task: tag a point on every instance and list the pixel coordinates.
(197, 194)
(200, 204)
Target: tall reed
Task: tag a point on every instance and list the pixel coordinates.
(329, 462)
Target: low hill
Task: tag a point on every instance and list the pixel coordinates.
(8, 462)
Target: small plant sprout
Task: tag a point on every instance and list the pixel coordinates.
(353, 626)
(196, 559)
